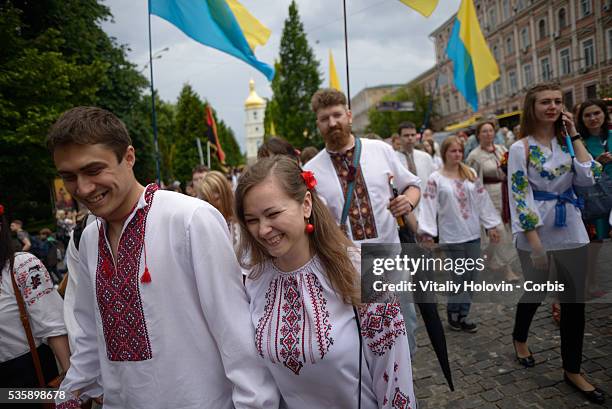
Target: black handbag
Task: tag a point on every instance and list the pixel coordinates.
(597, 198)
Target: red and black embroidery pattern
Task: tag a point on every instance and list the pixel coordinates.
(69, 404)
(431, 191)
(118, 290)
(289, 331)
(400, 400)
(381, 325)
(462, 198)
(361, 215)
(33, 279)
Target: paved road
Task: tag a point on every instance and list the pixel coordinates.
(486, 375)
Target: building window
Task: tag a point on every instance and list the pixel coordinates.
(565, 65)
(527, 74)
(488, 93)
(457, 102)
(499, 89)
(588, 53)
(447, 106)
(591, 91)
(512, 82)
(492, 19)
(255, 115)
(568, 99)
(496, 53)
(609, 40)
(506, 9)
(545, 70)
(562, 19)
(525, 38)
(542, 32)
(585, 8)
(509, 45)
(520, 5)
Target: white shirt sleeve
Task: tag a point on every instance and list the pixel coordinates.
(43, 303)
(584, 173)
(387, 353)
(489, 217)
(428, 209)
(402, 176)
(226, 310)
(84, 372)
(523, 210)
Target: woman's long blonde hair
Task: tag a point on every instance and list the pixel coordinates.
(327, 241)
(216, 183)
(465, 172)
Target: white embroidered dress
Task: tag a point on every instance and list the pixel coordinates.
(454, 209)
(309, 340)
(182, 340)
(43, 304)
(549, 170)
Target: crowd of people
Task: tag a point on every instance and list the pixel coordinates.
(247, 294)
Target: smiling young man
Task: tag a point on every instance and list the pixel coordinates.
(371, 213)
(164, 316)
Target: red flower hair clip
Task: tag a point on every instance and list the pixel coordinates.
(1, 210)
(309, 179)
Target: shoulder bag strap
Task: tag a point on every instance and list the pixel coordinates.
(360, 355)
(351, 185)
(23, 314)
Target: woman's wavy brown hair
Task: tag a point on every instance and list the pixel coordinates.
(327, 241)
(529, 122)
(464, 170)
(216, 182)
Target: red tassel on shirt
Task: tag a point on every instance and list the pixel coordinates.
(146, 277)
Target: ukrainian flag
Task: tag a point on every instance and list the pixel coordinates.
(222, 24)
(474, 67)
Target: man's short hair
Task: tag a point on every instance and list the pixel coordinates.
(89, 126)
(327, 97)
(405, 125)
(18, 222)
(200, 169)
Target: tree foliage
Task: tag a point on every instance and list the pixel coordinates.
(385, 124)
(297, 79)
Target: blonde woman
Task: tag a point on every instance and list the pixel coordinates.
(454, 206)
(217, 190)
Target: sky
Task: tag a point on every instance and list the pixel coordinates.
(388, 44)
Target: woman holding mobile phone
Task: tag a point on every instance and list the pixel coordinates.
(547, 224)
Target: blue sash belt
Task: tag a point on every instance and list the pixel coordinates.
(566, 197)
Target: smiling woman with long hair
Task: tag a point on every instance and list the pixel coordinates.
(547, 225)
(322, 348)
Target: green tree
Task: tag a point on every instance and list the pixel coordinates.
(385, 124)
(189, 125)
(297, 79)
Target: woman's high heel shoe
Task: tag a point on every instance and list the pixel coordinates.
(596, 395)
(527, 362)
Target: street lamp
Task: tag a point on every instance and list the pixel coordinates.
(158, 54)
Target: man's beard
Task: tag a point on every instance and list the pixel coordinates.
(338, 138)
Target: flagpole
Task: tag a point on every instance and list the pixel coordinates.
(348, 87)
(208, 154)
(153, 113)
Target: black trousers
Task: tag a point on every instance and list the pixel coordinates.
(571, 272)
(20, 373)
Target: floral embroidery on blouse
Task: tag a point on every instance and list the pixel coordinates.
(462, 199)
(381, 325)
(537, 159)
(596, 168)
(431, 190)
(527, 218)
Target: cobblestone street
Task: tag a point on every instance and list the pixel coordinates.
(486, 375)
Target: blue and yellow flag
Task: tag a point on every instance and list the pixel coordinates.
(474, 67)
(425, 7)
(222, 24)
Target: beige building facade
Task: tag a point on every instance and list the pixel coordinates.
(366, 99)
(533, 41)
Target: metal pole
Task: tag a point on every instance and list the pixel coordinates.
(208, 153)
(199, 144)
(153, 114)
(348, 86)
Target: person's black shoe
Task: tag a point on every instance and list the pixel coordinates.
(468, 326)
(527, 362)
(596, 395)
(453, 321)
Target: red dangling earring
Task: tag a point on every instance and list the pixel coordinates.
(309, 229)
